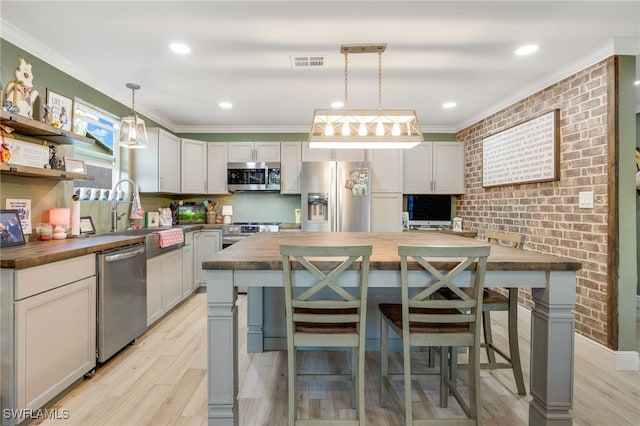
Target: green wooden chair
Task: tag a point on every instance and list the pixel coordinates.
(493, 300)
(321, 313)
(426, 321)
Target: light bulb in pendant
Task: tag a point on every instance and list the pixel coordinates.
(395, 131)
(328, 131)
(362, 130)
(379, 129)
(345, 129)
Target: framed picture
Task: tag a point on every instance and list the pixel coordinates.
(86, 226)
(74, 166)
(59, 111)
(10, 228)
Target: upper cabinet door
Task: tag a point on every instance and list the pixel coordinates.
(157, 169)
(169, 162)
(240, 152)
(290, 167)
(217, 168)
(448, 167)
(386, 170)
(434, 168)
(267, 151)
(194, 166)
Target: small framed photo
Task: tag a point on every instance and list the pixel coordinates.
(10, 228)
(74, 166)
(152, 219)
(86, 226)
(59, 111)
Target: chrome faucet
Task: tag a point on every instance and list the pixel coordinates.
(114, 205)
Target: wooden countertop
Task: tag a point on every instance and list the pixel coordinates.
(261, 251)
(41, 252)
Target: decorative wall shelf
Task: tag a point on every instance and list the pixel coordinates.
(34, 128)
(26, 171)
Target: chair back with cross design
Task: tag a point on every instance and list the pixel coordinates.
(322, 313)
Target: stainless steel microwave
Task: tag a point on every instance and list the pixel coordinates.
(252, 176)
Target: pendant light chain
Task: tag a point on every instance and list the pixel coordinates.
(379, 78)
(346, 78)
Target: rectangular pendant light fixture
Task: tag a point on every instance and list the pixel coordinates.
(364, 128)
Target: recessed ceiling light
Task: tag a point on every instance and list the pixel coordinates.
(337, 104)
(448, 105)
(526, 49)
(225, 105)
(180, 48)
(636, 83)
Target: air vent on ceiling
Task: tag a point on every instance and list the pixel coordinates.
(307, 62)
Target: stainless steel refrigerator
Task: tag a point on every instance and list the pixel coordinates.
(336, 196)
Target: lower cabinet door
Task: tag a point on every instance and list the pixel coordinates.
(55, 341)
(154, 289)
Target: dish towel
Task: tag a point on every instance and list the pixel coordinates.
(170, 237)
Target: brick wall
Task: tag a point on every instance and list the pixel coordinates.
(547, 212)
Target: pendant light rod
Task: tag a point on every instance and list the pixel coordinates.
(133, 87)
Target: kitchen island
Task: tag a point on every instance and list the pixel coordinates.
(256, 262)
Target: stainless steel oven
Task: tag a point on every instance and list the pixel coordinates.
(253, 176)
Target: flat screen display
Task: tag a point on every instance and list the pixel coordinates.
(429, 210)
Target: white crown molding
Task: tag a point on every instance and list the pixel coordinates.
(616, 46)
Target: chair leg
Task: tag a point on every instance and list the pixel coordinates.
(453, 367)
(293, 381)
(384, 360)
(361, 381)
(406, 354)
(488, 336)
(514, 347)
(474, 382)
(444, 371)
(354, 378)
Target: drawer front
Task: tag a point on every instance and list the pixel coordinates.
(42, 278)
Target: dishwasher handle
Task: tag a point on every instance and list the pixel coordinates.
(122, 256)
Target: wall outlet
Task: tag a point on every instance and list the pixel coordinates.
(585, 200)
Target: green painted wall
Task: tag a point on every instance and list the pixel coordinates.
(628, 276)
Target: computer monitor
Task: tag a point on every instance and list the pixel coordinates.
(429, 210)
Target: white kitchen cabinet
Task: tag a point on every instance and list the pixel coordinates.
(51, 312)
(217, 168)
(290, 167)
(157, 169)
(187, 265)
(210, 244)
(197, 261)
(386, 166)
(164, 284)
(193, 166)
(315, 154)
(239, 152)
(434, 168)
(386, 212)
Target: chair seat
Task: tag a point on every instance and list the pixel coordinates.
(393, 311)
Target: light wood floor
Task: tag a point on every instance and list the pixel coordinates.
(161, 379)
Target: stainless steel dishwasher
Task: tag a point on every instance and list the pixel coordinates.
(122, 298)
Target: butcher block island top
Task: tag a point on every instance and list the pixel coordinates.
(261, 251)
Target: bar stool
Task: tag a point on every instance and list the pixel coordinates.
(425, 321)
(322, 313)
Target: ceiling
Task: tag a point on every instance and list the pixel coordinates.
(241, 53)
